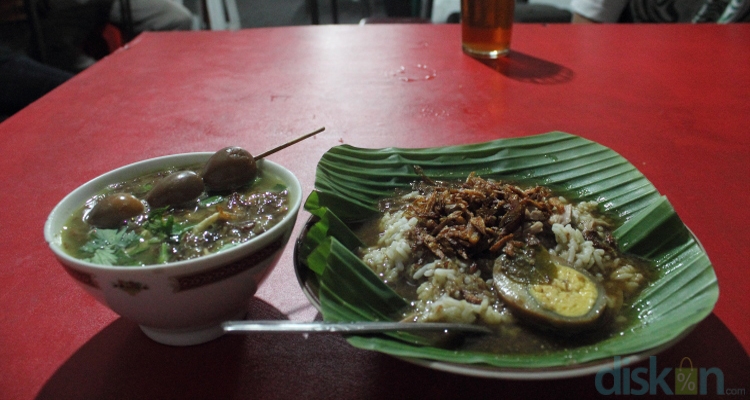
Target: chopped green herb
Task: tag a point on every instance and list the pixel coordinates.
(179, 229)
(109, 246)
(110, 238)
(104, 257)
(211, 201)
(157, 224)
(164, 253)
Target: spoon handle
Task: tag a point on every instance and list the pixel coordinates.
(346, 327)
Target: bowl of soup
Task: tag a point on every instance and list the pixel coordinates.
(173, 245)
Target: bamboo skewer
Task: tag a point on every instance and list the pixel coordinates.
(289, 143)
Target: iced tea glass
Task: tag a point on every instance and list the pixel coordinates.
(486, 27)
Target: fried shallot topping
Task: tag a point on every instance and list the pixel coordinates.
(480, 217)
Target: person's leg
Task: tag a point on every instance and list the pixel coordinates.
(23, 81)
(155, 15)
(65, 27)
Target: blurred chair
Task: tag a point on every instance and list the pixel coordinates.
(421, 14)
(314, 10)
(126, 28)
(365, 4)
(219, 15)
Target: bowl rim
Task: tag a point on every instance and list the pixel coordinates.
(72, 200)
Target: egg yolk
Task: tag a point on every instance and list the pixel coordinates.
(570, 293)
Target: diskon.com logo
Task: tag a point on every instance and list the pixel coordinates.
(686, 379)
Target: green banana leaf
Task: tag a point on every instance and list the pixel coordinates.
(350, 181)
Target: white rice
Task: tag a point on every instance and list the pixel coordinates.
(575, 249)
(437, 301)
(393, 251)
(446, 308)
(440, 281)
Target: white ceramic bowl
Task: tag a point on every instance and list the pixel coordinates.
(180, 303)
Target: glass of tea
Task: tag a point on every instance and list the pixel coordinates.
(486, 27)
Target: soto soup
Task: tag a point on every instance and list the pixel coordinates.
(176, 214)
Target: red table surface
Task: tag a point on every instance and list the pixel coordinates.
(672, 99)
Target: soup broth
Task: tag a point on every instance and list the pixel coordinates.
(209, 224)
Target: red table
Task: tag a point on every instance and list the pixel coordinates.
(672, 99)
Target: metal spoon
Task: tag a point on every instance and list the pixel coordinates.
(280, 326)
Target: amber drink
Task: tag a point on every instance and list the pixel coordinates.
(486, 27)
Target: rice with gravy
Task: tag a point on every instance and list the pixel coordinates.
(452, 289)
